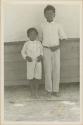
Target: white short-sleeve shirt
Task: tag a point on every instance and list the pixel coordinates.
(52, 32)
(32, 49)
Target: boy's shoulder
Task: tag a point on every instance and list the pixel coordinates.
(54, 22)
(57, 23)
(26, 42)
(38, 41)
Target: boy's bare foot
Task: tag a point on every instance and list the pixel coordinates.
(57, 94)
(36, 97)
(48, 93)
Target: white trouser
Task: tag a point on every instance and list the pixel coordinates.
(52, 69)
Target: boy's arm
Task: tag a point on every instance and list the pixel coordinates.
(61, 32)
(23, 51)
(55, 48)
(41, 33)
(41, 49)
(28, 58)
(39, 58)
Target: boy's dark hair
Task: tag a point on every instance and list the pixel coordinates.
(31, 29)
(49, 7)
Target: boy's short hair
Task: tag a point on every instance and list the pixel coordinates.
(31, 29)
(49, 7)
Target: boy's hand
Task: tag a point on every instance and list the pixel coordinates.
(29, 59)
(54, 48)
(39, 58)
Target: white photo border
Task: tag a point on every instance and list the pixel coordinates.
(3, 4)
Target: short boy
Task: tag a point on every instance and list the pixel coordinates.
(32, 52)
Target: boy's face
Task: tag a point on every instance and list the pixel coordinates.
(32, 35)
(49, 15)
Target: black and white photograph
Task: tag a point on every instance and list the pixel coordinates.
(41, 61)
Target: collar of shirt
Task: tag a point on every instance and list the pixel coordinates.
(50, 23)
(32, 42)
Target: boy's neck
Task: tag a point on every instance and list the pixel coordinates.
(50, 21)
(32, 40)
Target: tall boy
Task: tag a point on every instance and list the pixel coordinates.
(52, 32)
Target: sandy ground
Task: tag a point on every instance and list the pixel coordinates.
(20, 106)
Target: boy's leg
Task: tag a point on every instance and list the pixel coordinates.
(38, 76)
(32, 87)
(56, 70)
(37, 87)
(38, 70)
(47, 69)
(30, 70)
